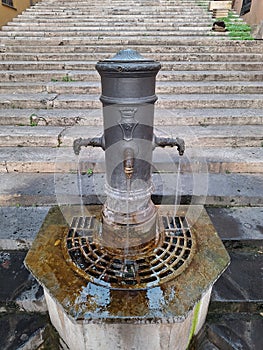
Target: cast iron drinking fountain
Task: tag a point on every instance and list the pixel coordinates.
(127, 274)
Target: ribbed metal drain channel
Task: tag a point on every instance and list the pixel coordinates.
(146, 269)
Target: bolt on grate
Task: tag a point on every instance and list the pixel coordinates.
(147, 269)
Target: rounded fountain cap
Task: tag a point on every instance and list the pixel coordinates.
(128, 55)
(128, 60)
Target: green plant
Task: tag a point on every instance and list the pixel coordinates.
(89, 172)
(54, 80)
(237, 29)
(33, 119)
(67, 79)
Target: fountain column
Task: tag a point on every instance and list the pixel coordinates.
(128, 97)
(123, 277)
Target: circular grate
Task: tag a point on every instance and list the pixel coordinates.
(148, 269)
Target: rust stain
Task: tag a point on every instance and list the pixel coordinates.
(86, 300)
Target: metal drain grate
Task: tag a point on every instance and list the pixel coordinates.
(148, 269)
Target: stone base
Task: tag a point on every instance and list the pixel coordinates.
(85, 335)
(91, 314)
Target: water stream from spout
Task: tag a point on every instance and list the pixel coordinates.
(127, 238)
(177, 189)
(80, 187)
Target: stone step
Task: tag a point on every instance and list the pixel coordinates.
(116, 12)
(194, 136)
(120, 10)
(106, 25)
(27, 100)
(128, 19)
(163, 57)
(118, 7)
(167, 65)
(19, 226)
(29, 189)
(234, 318)
(109, 22)
(197, 101)
(125, 39)
(30, 331)
(226, 87)
(105, 33)
(21, 291)
(112, 11)
(249, 47)
(55, 160)
(115, 40)
(236, 224)
(161, 87)
(70, 20)
(46, 100)
(30, 136)
(233, 331)
(123, 3)
(114, 6)
(106, 8)
(26, 87)
(105, 12)
(149, 30)
(50, 75)
(90, 101)
(83, 75)
(240, 289)
(124, 14)
(202, 76)
(174, 117)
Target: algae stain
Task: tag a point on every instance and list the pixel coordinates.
(194, 322)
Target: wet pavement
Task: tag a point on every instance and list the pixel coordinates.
(19, 291)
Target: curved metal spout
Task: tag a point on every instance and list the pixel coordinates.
(128, 162)
(93, 142)
(171, 142)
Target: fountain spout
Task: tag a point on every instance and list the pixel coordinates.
(170, 142)
(93, 142)
(128, 162)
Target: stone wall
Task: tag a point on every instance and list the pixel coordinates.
(7, 13)
(255, 15)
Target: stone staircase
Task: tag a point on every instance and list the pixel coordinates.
(210, 93)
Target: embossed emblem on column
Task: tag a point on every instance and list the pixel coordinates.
(128, 122)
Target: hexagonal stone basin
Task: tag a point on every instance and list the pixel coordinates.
(88, 301)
